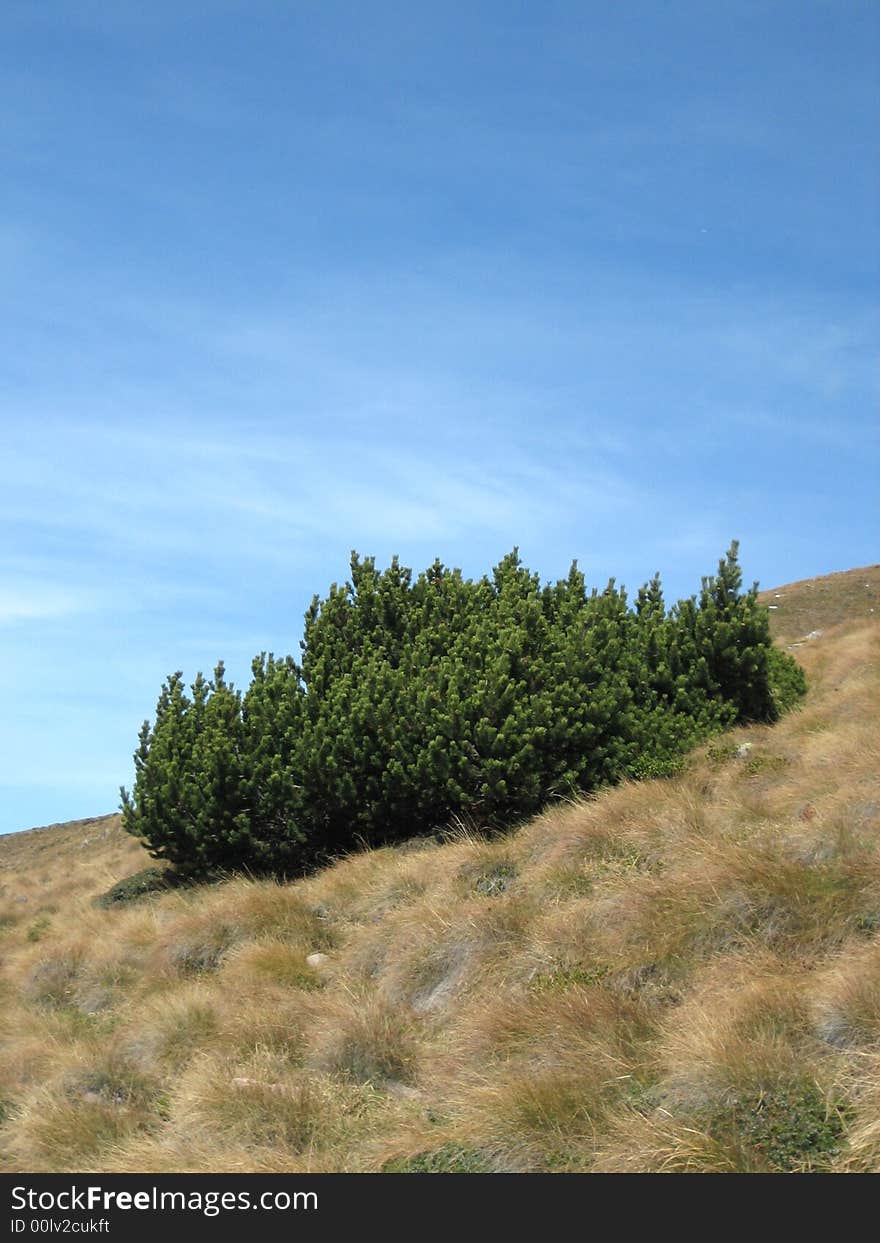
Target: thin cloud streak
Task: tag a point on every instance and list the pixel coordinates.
(34, 603)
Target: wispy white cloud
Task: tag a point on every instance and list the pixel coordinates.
(33, 602)
(384, 423)
(807, 430)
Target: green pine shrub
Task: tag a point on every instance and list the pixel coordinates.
(788, 682)
(417, 701)
(190, 794)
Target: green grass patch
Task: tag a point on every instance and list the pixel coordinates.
(448, 1159)
(792, 1128)
(38, 929)
(761, 762)
(722, 753)
(562, 978)
(144, 884)
(489, 878)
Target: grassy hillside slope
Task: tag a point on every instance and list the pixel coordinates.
(674, 975)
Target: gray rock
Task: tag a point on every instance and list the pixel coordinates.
(403, 1091)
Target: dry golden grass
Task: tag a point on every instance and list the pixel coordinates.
(677, 975)
(828, 600)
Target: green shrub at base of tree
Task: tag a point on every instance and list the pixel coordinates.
(788, 682)
(419, 700)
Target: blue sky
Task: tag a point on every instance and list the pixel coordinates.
(285, 279)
